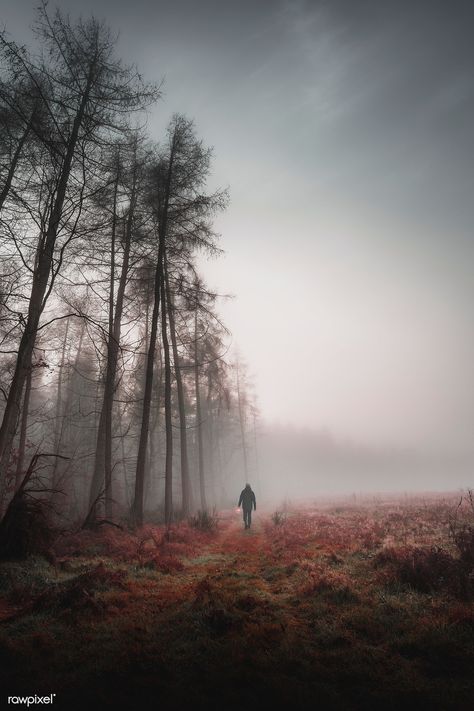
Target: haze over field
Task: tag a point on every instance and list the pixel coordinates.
(345, 131)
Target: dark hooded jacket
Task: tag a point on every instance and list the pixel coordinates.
(247, 499)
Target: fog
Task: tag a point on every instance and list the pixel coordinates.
(311, 466)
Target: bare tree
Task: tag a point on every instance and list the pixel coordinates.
(185, 479)
(127, 187)
(182, 213)
(88, 93)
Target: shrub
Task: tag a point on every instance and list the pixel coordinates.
(425, 570)
(205, 521)
(462, 529)
(25, 529)
(463, 539)
(278, 518)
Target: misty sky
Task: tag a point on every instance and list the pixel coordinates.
(345, 131)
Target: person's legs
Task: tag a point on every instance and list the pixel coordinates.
(249, 517)
(245, 517)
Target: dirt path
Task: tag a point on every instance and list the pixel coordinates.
(235, 538)
(233, 547)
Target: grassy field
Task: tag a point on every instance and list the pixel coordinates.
(336, 606)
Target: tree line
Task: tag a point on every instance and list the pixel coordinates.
(114, 372)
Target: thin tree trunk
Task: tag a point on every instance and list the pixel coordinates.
(210, 441)
(58, 410)
(137, 507)
(14, 163)
(97, 482)
(114, 344)
(202, 484)
(242, 426)
(152, 478)
(185, 482)
(24, 425)
(257, 467)
(103, 456)
(149, 461)
(220, 463)
(124, 465)
(59, 471)
(151, 470)
(168, 421)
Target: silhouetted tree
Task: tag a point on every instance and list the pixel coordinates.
(89, 92)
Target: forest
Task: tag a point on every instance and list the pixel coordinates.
(118, 399)
(129, 424)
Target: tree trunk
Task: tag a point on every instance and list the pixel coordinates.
(24, 425)
(185, 482)
(59, 470)
(126, 494)
(113, 348)
(137, 507)
(152, 478)
(202, 484)
(14, 163)
(210, 442)
(106, 456)
(257, 467)
(136, 514)
(58, 411)
(242, 426)
(103, 455)
(168, 421)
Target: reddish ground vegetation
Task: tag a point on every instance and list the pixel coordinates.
(357, 606)
(140, 547)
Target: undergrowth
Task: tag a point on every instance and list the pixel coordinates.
(364, 606)
(205, 521)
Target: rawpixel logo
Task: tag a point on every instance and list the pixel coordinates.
(31, 700)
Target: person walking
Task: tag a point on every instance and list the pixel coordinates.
(247, 499)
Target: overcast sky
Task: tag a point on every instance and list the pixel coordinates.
(345, 131)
